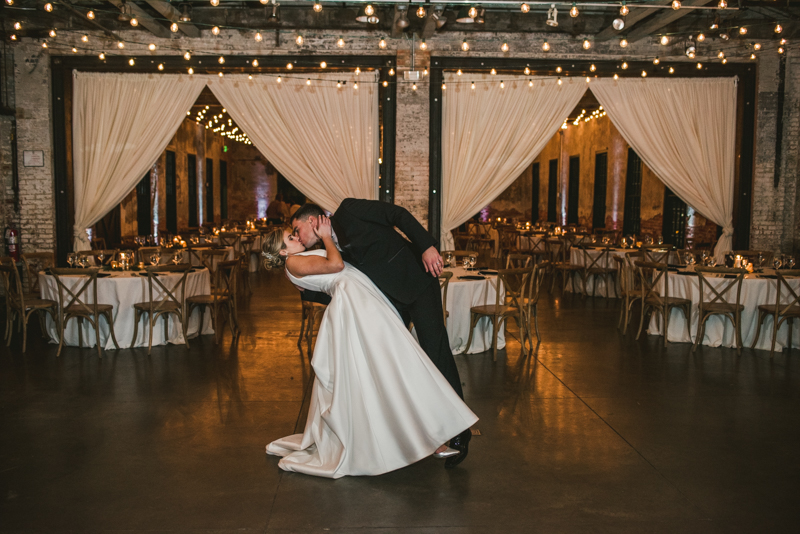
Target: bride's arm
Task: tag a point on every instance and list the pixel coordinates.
(307, 265)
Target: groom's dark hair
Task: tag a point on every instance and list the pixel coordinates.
(307, 210)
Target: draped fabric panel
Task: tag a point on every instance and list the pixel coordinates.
(121, 123)
(685, 131)
(491, 134)
(322, 138)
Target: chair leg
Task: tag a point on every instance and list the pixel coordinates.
(761, 316)
(641, 321)
(737, 323)
(150, 322)
(302, 325)
(536, 322)
(80, 332)
(136, 319)
(24, 318)
(791, 327)
(667, 313)
(472, 321)
(62, 326)
(776, 324)
(495, 325)
(97, 335)
(701, 332)
(111, 330)
(9, 328)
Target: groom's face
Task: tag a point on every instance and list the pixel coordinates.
(303, 229)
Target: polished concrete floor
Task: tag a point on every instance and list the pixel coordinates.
(595, 432)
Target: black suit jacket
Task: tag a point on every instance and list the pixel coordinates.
(368, 239)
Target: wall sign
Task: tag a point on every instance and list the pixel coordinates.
(33, 158)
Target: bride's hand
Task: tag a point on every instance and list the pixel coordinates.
(323, 228)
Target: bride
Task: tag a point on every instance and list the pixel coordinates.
(378, 403)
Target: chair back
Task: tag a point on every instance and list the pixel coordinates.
(15, 296)
(656, 253)
(230, 239)
(82, 294)
(246, 245)
(792, 299)
(98, 243)
(596, 261)
(173, 292)
(649, 275)
(211, 258)
(710, 294)
(226, 278)
(444, 283)
(535, 283)
(35, 262)
(461, 240)
(508, 238)
(144, 253)
(558, 249)
(515, 284)
(518, 261)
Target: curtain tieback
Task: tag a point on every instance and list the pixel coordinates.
(79, 232)
(727, 230)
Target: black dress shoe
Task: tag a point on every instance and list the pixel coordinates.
(461, 444)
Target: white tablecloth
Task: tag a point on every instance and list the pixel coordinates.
(461, 296)
(122, 290)
(577, 258)
(720, 331)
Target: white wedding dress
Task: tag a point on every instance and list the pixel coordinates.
(377, 403)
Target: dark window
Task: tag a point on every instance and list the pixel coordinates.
(143, 206)
(534, 192)
(574, 189)
(674, 227)
(600, 184)
(631, 222)
(209, 215)
(552, 190)
(191, 172)
(223, 190)
(172, 200)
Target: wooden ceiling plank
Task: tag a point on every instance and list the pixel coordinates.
(169, 12)
(145, 20)
(661, 20)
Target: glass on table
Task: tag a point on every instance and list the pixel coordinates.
(71, 258)
(777, 262)
(100, 257)
(155, 258)
(473, 260)
(661, 240)
(789, 261)
(448, 259)
(177, 257)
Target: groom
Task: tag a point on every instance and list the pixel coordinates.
(406, 271)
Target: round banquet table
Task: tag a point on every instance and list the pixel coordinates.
(756, 290)
(122, 290)
(461, 296)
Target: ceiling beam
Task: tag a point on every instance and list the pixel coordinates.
(170, 13)
(636, 14)
(662, 19)
(92, 23)
(145, 20)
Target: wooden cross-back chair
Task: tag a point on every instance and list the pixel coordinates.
(21, 306)
(656, 253)
(444, 284)
(597, 266)
(650, 274)
(514, 284)
(530, 300)
(558, 249)
(534, 245)
(223, 299)
(785, 309)
(71, 305)
(173, 301)
(231, 239)
(714, 301)
(211, 258)
(628, 287)
(35, 262)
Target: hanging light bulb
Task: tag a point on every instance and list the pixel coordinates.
(355, 85)
(459, 72)
(492, 72)
(742, 30)
(721, 54)
(74, 50)
(473, 85)
(699, 65)
(221, 60)
(120, 45)
(413, 86)
(52, 33)
(558, 81)
(618, 24)
(13, 36)
(784, 41)
(385, 83)
(656, 61)
(134, 21)
(289, 66)
(90, 15)
(299, 40)
(616, 76)
(187, 55)
(664, 40)
(781, 50)
(221, 74)
(724, 60)
(700, 37)
(558, 69)
(502, 84)
(255, 63)
(173, 27)
(527, 71)
(308, 81)
(465, 46)
(444, 86)
(624, 10)
(545, 46)
(676, 4)
(423, 45)
(714, 23)
(778, 28)
(340, 42)
(524, 8)
(504, 46)
(473, 12)
(671, 70)
(724, 36)
(258, 37)
(391, 72)
(624, 65)
(160, 66)
(215, 30)
(752, 56)
(587, 44)
(339, 84)
(317, 7)
(323, 65)
(10, 2)
(358, 71)
(623, 43)
(102, 56)
(215, 3)
(530, 83)
(756, 46)
(421, 12)
(722, 4)
(151, 47)
(279, 79)
(131, 62)
(382, 43)
(17, 26)
(573, 12)
(191, 70)
(48, 7)
(592, 67)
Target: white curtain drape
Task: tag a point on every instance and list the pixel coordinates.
(491, 134)
(323, 138)
(685, 131)
(121, 123)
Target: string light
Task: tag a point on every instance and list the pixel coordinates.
(74, 50)
(134, 22)
(671, 70)
(120, 45)
(784, 41)
(756, 46)
(215, 30)
(289, 66)
(473, 12)
(624, 65)
(355, 85)
(323, 65)
(17, 26)
(676, 4)
(423, 45)
(48, 7)
(340, 42)
(778, 28)
(187, 56)
(724, 60)
(308, 81)
(574, 11)
(151, 46)
(459, 72)
(255, 63)
(221, 60)
(492, 72)
(781, 50)
(616, 76)
(444, 86)
(385, 83)
(656, 61)
(530, 83)
(644, 74)
(221, 75)
(413, 86)
(473, 85)
(587, 44)
(527, 71)
(102, 56)
(382, 43)
(558, 70)
(524, 8)
(545, 46)
(558, 81)
(592, 67)
(90, 15)
(131, 62)
(299, 40)
(425, 71)
(699, 65)
(721, 54)
(279, 79)
(722, 4)
(588, 79)
(13, 36)
(160, 66)
(701, 37)
(191, 70)
(10, 2)
(317, 7)
(742, 30)
(624, 10)
(752, 56)
(504, 46)
(502, 84)
(391, 72)
(215, 3)
(623, 43)
(465, 46)
(258, 37)
(358, 71)
(339, 84)
(664, 40)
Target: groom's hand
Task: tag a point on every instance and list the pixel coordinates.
(432, 261)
